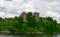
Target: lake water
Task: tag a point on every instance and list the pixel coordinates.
(56, 35)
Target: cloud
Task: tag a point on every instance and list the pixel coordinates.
(47, 8)
(8, 0)
(28, 7)
(44, 7)
(2, 14)
(9, 15)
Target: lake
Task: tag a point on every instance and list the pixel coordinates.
(55, 35)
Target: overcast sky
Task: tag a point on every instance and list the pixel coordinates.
(11, 8)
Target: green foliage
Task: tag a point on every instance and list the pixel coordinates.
(16, 24)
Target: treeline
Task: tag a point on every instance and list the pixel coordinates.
(16, 24)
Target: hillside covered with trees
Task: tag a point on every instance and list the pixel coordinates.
(42, 24)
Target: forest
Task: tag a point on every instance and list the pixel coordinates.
(16, 24)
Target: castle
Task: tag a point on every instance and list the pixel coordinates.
(36, 14)
(24, 16)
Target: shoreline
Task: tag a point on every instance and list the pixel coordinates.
(10, 32)
(38, 33)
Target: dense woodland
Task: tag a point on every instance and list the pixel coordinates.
(16, 24)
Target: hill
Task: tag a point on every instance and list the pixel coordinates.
(28, 22)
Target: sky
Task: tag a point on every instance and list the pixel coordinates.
(12, 8)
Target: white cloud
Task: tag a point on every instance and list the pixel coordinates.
(2, 14)
(8, 15)
(28, 7)
(44, 7)
(51, 13)
(1, 2)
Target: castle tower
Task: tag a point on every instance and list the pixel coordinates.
(24, 16)
(36, 14)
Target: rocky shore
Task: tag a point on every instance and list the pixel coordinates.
(9, 32)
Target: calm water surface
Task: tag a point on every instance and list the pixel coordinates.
(55, 35)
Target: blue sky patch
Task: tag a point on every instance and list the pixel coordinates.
(8, 0)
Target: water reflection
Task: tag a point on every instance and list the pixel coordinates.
(28, 35)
